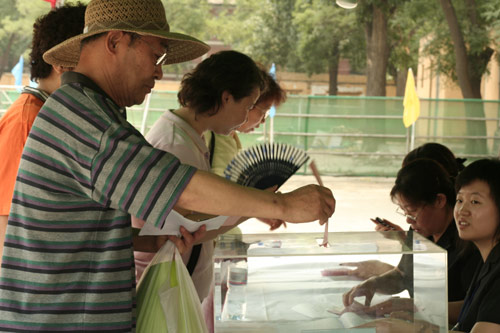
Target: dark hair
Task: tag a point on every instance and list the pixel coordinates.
(51, 29)
(485, 170)
(229, 71)
(421, 180)
(273, 92)
(439, 153)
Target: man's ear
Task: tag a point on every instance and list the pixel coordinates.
(226, 97)
(113, 38)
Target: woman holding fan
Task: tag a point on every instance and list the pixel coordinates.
(216, 96)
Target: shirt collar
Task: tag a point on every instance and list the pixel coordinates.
(40, 94)
(449, 238)
(74, 77)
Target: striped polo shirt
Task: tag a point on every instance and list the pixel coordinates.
(68, 262)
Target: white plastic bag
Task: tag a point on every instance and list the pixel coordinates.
(167, 300)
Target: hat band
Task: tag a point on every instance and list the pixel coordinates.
(162, 26)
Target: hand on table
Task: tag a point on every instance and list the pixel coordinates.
(368, 268)
(396, 325)
(393, 305)
(366, 289)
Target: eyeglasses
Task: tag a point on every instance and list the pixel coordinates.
(411, 217)
(162, 59)
(261, 109)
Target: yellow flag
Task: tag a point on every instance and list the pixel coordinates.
(411, 102)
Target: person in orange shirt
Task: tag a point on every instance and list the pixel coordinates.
(48, 30)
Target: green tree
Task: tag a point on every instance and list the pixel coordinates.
(463, 49)
(188, 17)
(16, 29)
(374, 16)
(262, 29)
(411, 21)
(326, 33)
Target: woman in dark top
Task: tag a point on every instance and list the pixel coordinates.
(477, 215)
(425, 194)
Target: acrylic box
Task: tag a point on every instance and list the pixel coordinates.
(285, 282)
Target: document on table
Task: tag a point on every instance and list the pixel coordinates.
(175, 220)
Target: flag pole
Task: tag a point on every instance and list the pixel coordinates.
(412, 137)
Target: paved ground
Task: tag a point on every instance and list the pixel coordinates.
(358, 200)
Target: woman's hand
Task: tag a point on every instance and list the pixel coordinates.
(368, 268)
(385, 225)
(184, 243)
(366, 289)
(187, 241)
(399, 306)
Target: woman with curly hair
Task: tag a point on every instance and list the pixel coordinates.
(48, 30)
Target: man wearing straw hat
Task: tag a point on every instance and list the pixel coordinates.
(68, 261)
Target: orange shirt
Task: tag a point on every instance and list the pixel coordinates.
(15, 126)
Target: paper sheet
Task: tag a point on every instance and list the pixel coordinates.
(175, 220)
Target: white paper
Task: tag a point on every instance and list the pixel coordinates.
(175, 220)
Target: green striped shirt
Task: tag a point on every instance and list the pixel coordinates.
(68, 260)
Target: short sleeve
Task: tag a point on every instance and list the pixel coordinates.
(130, 175)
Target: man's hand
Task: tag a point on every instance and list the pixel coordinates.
(308, 203)
(273, 223)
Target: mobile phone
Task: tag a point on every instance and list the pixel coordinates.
(382, 222)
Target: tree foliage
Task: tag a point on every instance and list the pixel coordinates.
(326, 33)
(16, 29)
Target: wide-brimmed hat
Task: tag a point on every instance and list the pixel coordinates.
(144, 17)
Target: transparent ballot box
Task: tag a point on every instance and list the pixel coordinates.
(289, 283)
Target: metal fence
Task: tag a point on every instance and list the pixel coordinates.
(358, 136)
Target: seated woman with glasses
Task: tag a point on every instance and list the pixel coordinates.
(425, 195)
(431, 150)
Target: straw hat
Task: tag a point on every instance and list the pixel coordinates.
(145, 17)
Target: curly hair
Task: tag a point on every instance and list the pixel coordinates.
(230, 71)
(51, 29)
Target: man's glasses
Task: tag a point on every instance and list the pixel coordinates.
(403, 213)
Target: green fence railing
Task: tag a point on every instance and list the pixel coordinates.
(358, 136)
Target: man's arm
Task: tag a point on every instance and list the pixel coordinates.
(212, 194)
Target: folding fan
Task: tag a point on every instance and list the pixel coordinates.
(265, 165)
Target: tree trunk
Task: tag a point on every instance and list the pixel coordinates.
(470, 68)
(399, 77)
(377, 53)
(333, 70)
(461, 60)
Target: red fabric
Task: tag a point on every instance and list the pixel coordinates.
(52, 3)
(15, 126)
